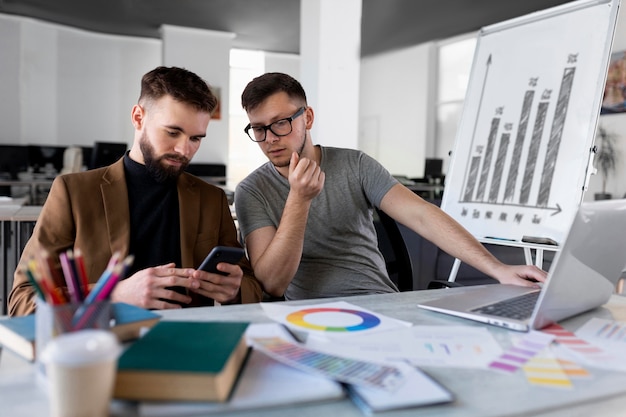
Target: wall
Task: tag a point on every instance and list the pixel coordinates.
(395, 107)
(68, 86)
(245, 155)
(41, 64)
(9, 76)
(615, 123)
(82, 85)
(206, 53)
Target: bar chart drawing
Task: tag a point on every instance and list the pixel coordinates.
(492, 170)
(521, 158)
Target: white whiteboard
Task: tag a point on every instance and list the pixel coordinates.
(520, 162)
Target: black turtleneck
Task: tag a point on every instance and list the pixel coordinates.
(154, 218)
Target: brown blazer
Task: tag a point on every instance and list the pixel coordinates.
(89, 210)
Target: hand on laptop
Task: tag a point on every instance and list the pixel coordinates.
(522, 275)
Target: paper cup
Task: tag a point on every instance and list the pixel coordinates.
(81, 367)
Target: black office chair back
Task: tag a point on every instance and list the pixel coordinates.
(394, 249)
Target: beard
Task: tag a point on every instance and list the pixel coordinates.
(159, 170)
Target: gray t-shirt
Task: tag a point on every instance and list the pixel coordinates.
(340, 255)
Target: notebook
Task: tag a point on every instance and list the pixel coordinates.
(582, 276)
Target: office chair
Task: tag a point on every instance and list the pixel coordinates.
(401, 266)
(394, 249)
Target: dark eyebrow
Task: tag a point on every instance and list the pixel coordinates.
(181, 130)
(173, 127)
(252, 125)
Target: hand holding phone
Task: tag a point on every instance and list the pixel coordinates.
(231, 255)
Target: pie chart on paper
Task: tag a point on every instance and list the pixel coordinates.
(333, 319)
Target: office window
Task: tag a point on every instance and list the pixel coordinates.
(243, 156)
(454, 63)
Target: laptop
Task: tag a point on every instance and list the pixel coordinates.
(583, 276)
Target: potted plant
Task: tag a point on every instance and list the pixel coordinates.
(606, 159)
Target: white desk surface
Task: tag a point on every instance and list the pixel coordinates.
(9, 201)
(477, 392)
(26, 214)
(7, 211)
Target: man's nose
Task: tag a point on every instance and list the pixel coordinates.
(271, 137)
(183, 146)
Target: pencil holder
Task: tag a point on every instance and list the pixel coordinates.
(54, 320)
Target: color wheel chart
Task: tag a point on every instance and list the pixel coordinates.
(321, 319)
(338, 319)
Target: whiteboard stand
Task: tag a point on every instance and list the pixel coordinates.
(528, 253)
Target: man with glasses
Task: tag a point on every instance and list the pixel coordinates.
(306, 215)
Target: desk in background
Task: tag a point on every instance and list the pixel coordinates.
(37, 188)
(22, 225)
(478, 393)
(6, 249)
(16, 223)
(8, 208)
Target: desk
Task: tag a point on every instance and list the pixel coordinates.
(7, 250)
(479, 393)
(33, 185)
(22, 224)
(16, 225)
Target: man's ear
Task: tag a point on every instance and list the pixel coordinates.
(137, 116)
(310, 116)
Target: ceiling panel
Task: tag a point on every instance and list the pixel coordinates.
(274, 25)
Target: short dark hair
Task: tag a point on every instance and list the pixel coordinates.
(182, 85)
(269, 84)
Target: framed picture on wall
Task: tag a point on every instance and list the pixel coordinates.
(217, 113)
(614, 99)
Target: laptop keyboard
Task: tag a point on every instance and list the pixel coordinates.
(519, 308)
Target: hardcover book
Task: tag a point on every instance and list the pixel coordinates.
(193, 361)
(129, 320)
(18, 335)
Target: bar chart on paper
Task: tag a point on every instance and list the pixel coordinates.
(523, 148)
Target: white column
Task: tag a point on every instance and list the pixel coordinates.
(207, 53)
(330, 49)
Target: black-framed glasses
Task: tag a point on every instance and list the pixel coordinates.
(280, 127)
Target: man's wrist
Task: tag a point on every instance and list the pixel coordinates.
(235, 300)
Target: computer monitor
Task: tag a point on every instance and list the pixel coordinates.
(87, 151)
(13, 159)
(433, 168)
(213, 173)
(42, 156)
(105, 153)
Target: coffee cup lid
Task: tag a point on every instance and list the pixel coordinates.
(82, 347)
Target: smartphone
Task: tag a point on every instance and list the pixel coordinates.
(219, 254)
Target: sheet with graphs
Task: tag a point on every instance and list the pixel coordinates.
(523, 146)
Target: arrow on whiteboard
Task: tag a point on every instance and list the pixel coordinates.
(557, 210)
(480, 103)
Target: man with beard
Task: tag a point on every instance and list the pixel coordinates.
(306, 215)
(146, 205)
